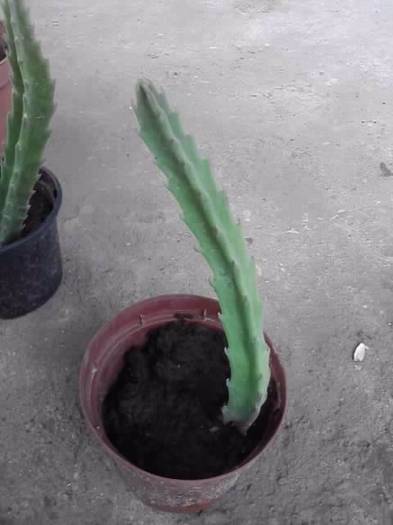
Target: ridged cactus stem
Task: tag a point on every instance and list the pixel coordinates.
(28, 123)
(207, 214)
(15, 117)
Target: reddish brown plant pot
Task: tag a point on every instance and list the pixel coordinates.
(100, 368)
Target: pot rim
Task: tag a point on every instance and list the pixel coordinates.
(5, 73)
(112, 451)
(48, 219)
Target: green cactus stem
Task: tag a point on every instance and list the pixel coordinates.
(28, 122)
(15, 117)
(207, 214)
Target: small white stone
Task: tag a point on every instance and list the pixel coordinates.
(247, 215)
(360, 352)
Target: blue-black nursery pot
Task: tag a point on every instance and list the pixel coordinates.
(31, 267)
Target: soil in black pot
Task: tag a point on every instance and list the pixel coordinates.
(164, 411)
(41, 204)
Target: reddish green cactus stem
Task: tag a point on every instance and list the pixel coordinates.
(28, 122)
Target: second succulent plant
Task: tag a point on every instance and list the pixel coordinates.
(28, 122)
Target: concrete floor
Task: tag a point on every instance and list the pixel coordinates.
(292, 102)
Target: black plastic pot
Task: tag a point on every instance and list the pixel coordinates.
(31, 268)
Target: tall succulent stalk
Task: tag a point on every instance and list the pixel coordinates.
(207, 214)
(28, 122)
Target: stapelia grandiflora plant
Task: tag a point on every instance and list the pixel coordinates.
(206, 212)
(28, 121)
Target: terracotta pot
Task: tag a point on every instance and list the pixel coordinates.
(100, 368)
(5, 89)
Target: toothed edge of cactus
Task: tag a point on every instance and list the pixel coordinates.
(28, 123)
(206, 212)
(15, 116)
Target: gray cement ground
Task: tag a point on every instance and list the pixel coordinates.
(292, 101)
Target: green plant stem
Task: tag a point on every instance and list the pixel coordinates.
(207, 214)
(20, 170)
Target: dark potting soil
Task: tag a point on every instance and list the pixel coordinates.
(3, 43)
(164, 411)
(41, 204)
(3, 52)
